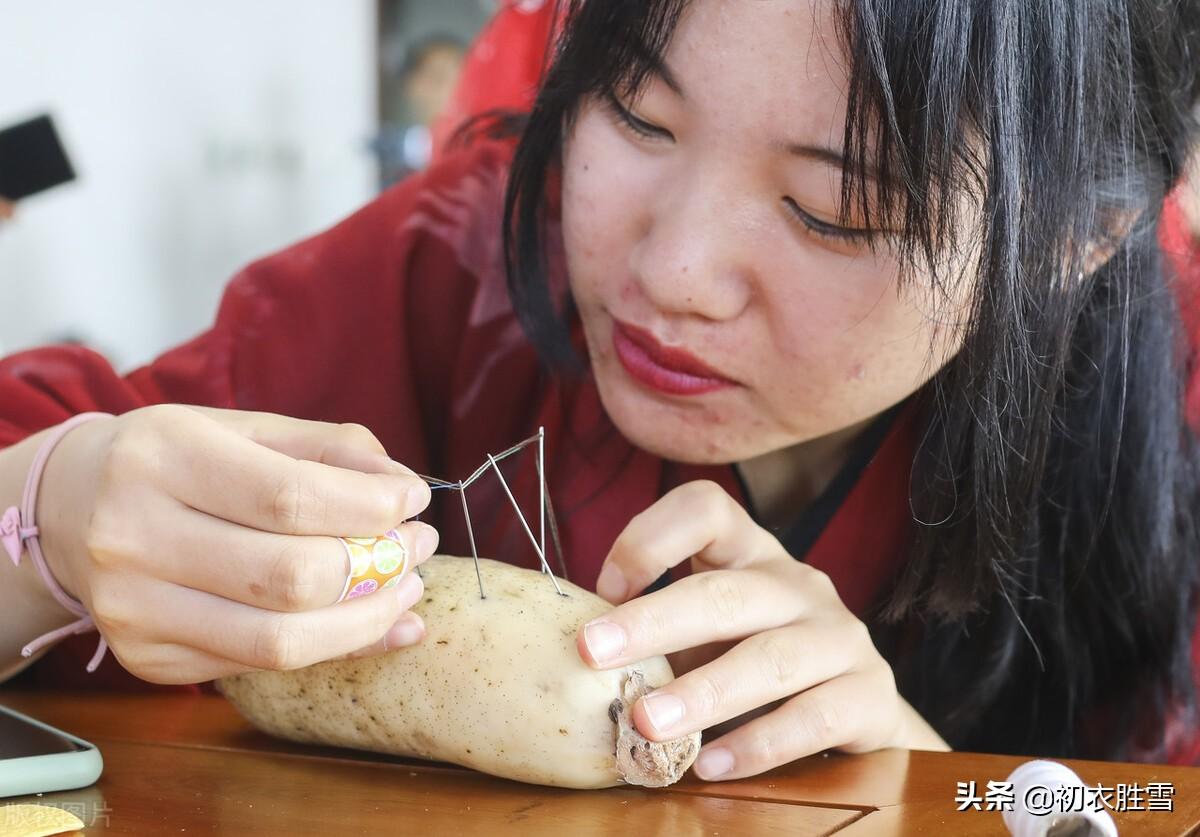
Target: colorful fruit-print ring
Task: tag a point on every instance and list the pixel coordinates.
(375, 563)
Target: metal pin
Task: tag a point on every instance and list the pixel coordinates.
(545, 506)
(525, 524)
(562, 561)
(500, 457)
(434, 482)
(462, 495)
(541, 465)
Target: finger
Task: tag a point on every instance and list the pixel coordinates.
(701, 608)
(350, 446)
(266, 639)
(830, 715)
(697, 519)
(173, 664)
(764, 668)
(276, 572)
(408, 630)
(222, 473)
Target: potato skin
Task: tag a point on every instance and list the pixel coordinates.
(496, 685)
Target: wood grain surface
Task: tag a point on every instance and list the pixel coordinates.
(187, 764)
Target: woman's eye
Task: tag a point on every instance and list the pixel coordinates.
(824, 228)
(639, 126)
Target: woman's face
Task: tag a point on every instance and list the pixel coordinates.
(727, 312)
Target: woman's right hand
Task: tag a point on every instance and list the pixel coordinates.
(200, 540)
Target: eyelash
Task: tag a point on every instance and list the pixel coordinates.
(638, 126)
(821, 228)
(809, 222)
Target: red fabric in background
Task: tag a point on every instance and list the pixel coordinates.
(1182, 252)
(503, 67)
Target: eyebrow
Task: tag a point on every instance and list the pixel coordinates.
(659, 68)
(817, 153)
(822, 154)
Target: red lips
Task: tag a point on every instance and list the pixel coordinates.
(668, 370)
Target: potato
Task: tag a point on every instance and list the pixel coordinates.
(496, 685)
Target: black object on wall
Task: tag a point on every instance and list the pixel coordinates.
(32, 159)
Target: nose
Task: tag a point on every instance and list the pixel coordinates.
(695, 256)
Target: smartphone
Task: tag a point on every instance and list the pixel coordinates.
(32, 159)
(37, 758)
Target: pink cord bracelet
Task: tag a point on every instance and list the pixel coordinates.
(19, 531)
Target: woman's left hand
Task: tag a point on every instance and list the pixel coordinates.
(759, 631)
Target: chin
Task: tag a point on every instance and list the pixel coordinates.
(689, 433)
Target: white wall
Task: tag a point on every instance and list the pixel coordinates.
(205, 135)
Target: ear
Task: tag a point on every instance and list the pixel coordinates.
(1102, 247)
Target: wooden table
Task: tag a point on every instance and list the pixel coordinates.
(188, 764)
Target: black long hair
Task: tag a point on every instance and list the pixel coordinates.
(1055, 487)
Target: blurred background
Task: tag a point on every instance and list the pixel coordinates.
(203, 135)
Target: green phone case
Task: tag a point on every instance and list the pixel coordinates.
(51, 772)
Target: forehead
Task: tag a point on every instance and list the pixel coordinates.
(776, 67)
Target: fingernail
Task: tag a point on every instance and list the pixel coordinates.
(663, 710)
(611, 584)
(410, 589)
(605, 641)
(408, 631)
(714, 763)
(426, 540)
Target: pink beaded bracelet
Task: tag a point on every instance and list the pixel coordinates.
(18, 531)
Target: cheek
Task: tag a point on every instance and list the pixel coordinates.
(853, 338)
(601, 193)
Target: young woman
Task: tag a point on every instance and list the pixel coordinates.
(851, 337)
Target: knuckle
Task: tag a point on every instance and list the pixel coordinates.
(108, 611)
(293, 505)
(646, 622)
(887, 679)
(706, 695)
(860, 634)
(284, 504)
(357, 435)
(279, 646)
(156, 421)
(384, 507)
(819, 581)
(293, 582)
(128, 453)
(763, 748)
(138, 659)
(777, 658)
(819, 720)
(724, 598)
(706, 494)
(630, 555)
(106, 538)
(390, 507)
